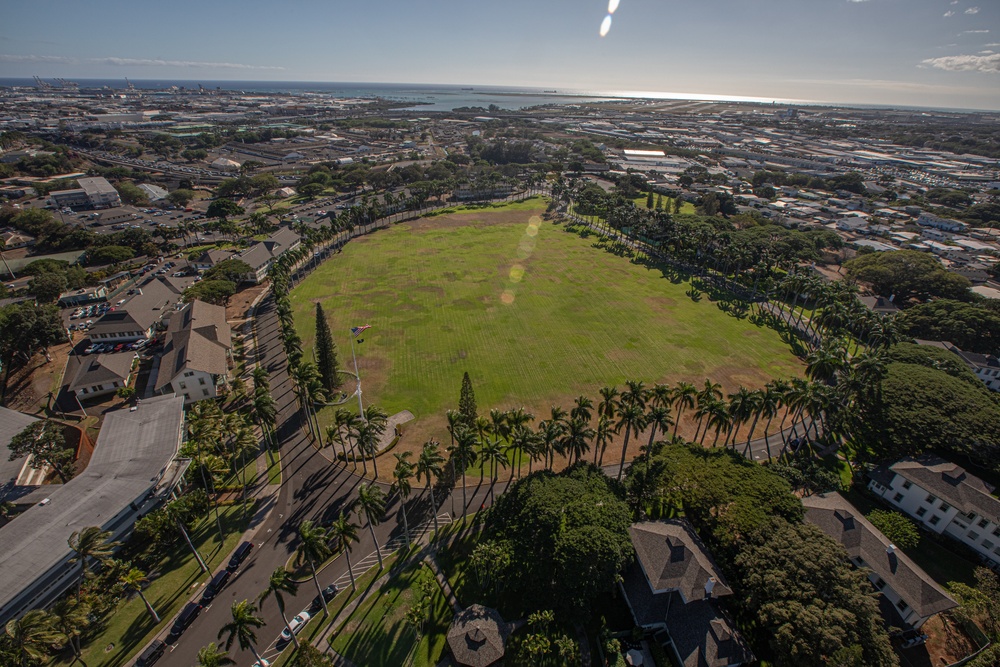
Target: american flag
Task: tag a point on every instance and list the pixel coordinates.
(357, 330)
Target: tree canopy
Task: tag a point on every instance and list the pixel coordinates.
(565, 539)
(211, 291)
(907, 274)
(232, 270)
(224, 208)
(971, 327)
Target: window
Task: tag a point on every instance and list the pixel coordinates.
(188, 374)
(879, 584)
(115, 383)
(984, 522)
(204, 392)
(183, 386)
(898, 497)
(902, 606)
(930, 499)
(921, 511)
(987, 544)
(973, 535)
(84, 390)
(945, 507)
(907, 484)
(187, 396)
(935, 520)
(201, 380)
(996, 532)
(971, 516)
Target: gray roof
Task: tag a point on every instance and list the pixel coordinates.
(95, 185)
(273, 246)
(477, 636)
(157, 298)
(674, 559)
(843, 522)
(132, 452)
(878, 304)
(197, 339)
(11, 423)
(704, 636)
(950, 482)
(102, 368)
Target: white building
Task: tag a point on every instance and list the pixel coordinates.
(985, 366)
(944, 498)
(225, 164)
(196, 352)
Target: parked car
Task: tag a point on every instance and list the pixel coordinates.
(240, 555)
(186, 618)
(216, 585)
(296, 624)
(329, 593)
(151, 654)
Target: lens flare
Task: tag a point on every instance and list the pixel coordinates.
(606, 25)
(516, 273)
(612, 6)
(507, 297)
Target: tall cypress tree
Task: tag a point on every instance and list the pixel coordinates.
(326, 352)
(649, 199)
(467, 401)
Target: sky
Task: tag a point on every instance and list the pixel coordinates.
(928, 53)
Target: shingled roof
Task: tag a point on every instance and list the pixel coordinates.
(101, 369)
(477, 636)
(950, 482)
(840, 520)
(197, 339)
(673, 558)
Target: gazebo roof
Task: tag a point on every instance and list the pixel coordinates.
(477, 636)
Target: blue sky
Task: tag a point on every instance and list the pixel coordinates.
(939, 53)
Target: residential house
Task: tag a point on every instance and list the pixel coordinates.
(210, 258)
(944, 224)
(262, 254)
(985, 366)
(674, 586)
(13, 238)
(910, 595)
(102, 374)
(196, 353)
(944, 498)
(879, 305)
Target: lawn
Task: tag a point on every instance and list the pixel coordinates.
(535, 313)
(130, 627)
(668, 204)
(377, 633)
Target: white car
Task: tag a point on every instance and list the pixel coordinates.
(295, 624)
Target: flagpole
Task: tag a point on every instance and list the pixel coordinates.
(361, 410)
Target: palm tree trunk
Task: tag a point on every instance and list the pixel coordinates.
(350, 570)
(312, 566)
(465, 503)
(281, 610)
(378, 550)
(621, 467)
(753, 426)
(406, 525)
(149, 607)
(187, 538)
(433, 505)
(253, 649)
(767, 438)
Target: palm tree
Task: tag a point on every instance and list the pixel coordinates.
(711, 393)
(582, 409)
(241, 628)
(31, 636)
(767, 407)
(132, 580)
(367, 436)
(71, 618)
(632, 418)
(314, 546)
(740, 410)
(429, 467)
(91, 542)
(719, 417)
(464, 455)
(494, 454)
(658, 417)
(602, 436)
(346, 534)
(685, 395)
(371, 498)
(576, 441)
(609, 402)
(278, 584)
(550, 432)
(635, 394)
(213, 656)
(402, 474)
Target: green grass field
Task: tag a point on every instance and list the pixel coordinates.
(536, 314)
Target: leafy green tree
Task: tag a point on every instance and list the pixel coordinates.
(568, 539)
(43, 441)
(901, 531)
(133, 580)
(213, 656)
(32, 636)
(109, 254)
(326, 352)
(233, 270)
(131, 194)
(71, 618)
(181, 197)
(48, 286)
(91, 543)
(310, 656)
(279, 584)
(809, 598)
(981, 603)
(217, 292)
(224, 209)
(907, 274)
(971, 327)
(467, 402)
(241, 628)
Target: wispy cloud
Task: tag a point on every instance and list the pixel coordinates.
(972, 10)
(949, 14)
(975, 32)
(11, 58)
(193, 64)
(989, 64)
